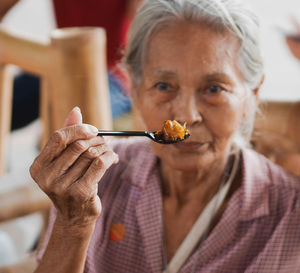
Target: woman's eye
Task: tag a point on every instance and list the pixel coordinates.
(214, 89)
(162, 86)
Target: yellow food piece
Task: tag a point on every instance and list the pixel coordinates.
(173, 130)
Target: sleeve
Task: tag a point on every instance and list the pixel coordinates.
(45, 238)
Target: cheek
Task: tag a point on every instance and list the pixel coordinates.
(223, 121)
(153, 114)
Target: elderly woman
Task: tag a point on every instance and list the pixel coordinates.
(202, 205)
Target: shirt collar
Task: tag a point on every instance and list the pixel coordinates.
(254, 197)
(255, 186)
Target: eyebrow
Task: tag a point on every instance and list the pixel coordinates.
(219, 76)
(209, 77)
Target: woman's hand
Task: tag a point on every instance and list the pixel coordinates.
(69, 168)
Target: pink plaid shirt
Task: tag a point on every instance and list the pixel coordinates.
(258, 232)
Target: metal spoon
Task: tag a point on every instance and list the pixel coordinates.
(153, 136)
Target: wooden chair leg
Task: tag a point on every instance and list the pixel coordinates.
(6, 82)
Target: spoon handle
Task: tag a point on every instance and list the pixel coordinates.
(122, 133)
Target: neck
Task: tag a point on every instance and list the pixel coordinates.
(186, 187)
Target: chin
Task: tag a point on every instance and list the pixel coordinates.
(188, 162)
(185, 159)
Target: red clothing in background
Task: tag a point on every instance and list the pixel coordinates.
(109, 14)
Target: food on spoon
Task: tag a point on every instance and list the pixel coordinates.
(173, 131)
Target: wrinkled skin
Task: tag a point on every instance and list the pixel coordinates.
(69, 168)
(191, 75)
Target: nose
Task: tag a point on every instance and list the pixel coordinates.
(187, 110)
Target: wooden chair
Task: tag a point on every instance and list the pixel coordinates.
(277, 134)
(72, 67)
(73, 71)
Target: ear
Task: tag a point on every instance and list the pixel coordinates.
(257, 89)
(74, 117)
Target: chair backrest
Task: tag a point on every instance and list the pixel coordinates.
(72, 66)
(277, 133)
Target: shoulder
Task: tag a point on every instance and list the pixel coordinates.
(260, 168)
(269, 186)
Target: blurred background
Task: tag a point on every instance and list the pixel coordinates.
(35, 19)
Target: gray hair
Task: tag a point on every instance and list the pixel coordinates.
(219, 14)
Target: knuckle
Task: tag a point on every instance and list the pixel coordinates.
(79, 146)
(107, 160)
(91, 153)
(99, 163)
(35, 169)
(82, 130)
(58, 137)
(32, 170)
(79, 130)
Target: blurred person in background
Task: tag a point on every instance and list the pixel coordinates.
(114, 16)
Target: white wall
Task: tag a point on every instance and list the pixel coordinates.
(35, 17)
(31, 17)
(282, 69)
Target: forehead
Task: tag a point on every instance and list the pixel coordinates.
(193, 45)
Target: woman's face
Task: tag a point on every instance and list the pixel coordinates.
(191, 75)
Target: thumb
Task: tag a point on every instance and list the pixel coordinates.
(74, 117)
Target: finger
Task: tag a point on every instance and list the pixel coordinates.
(82, 164)
(76, 150)
(95, 151)
(55, 184)
(84, 176)
(97, 169)
(54, 174)
(63, 137)
(73, 118)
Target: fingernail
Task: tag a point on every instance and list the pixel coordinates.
(76, 108)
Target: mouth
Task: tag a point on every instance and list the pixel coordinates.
(191, 146)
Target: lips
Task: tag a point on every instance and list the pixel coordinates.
(190, 146)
